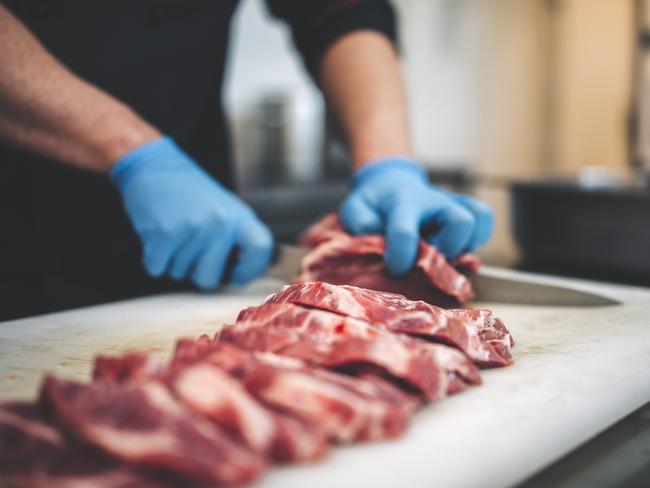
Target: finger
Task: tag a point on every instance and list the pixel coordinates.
(187, 255)
(456, 225)
(211, 264)
(358, 216)
(402, 238)
(484, 220)
(158, 249)
(255, 243)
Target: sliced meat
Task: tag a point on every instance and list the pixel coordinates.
(129, 366)
(328, 227)
(34, 453)
(467, 263)
(345, 409)
(213, 394)
(491, 330)
(475, 332)
(340, 258)
(142, 424)
(338, 342)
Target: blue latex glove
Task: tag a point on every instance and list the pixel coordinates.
(187, 222)
(393, 196)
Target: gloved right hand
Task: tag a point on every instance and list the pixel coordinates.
(187, 222)
(392, 196)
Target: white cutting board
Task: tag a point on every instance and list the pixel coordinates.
(577, 371)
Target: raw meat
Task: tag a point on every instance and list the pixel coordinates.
(467, 263)
(475, 332)
(127, 367)
(340, 258)
(345, 409)
(329, 227)
(213, 394)
(333, 341)
(34, 453)
(142, 424)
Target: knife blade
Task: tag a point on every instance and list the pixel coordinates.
(492, 286)
(287, 260)
(489, 284)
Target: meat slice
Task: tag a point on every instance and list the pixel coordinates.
(491, 330)
(345, 409)
(127, 367)
(340, 258)
(142, 424)
(475, 332)
(338, 342)
(467, 263)
(328, 227)
(213, 394)
(34, 453)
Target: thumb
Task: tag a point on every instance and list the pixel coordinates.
(255, 248)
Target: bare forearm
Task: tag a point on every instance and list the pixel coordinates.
(47, 109)
(361, 79)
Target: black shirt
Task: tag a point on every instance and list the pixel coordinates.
(66, 241)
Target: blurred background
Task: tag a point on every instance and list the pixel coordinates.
(553, 95)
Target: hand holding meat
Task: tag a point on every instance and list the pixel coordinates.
(187, 222)
(393, 196)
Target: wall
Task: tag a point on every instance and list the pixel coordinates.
(642, 94)
(440, 46)
(592, 83)
(555, 94)
(512, 81)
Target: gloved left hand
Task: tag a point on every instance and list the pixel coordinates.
(393, 196)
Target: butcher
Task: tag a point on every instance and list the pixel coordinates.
(116, 173)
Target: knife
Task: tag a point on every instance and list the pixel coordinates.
(286, 263)
(490, 285)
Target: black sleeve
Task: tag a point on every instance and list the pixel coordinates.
(315, 24)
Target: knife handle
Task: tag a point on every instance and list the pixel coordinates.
(232, 262)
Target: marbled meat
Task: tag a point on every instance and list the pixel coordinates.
(340, 258)
(346, 344)
(475, 332)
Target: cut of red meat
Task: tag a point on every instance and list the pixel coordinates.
(475, 332)
(467, 263)
(142, 424)
(334, 341)
(345, 409)
(34, 453)
(340, 258)
(128, 366)
(328, 227)
(213, 394)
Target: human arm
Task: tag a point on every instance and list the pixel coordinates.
(187, 222)
(360, 76)
(46, 108)
(361, 79)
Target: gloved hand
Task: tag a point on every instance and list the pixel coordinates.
(393, 196)
(187, 222)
